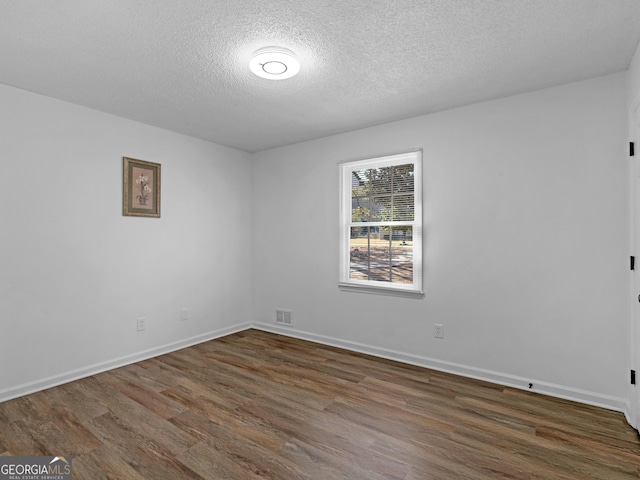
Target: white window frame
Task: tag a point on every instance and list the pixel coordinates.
(346, 170)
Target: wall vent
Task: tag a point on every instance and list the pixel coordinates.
(284, 317)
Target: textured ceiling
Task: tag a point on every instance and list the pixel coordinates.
(183, 64)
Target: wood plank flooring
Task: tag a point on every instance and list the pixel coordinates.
(257, 405)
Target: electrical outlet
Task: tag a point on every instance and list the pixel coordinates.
(184, 314)
(141, 323)
(438, 330)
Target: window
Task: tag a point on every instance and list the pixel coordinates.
(381, 224)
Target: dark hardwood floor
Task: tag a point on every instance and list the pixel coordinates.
(257, 405)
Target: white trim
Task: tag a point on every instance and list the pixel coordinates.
(345, 169)
(633, 407)
(559, 391)
(567, 393)
(385, 157)
(372, 289)
(55, 380)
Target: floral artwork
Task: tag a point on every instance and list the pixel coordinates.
(144, 189)
(141, 188)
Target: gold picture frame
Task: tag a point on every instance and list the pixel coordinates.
(141, 188)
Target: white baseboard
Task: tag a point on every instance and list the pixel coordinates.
(558, 391)
(53, 381)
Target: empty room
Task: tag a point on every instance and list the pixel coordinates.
(319, 240)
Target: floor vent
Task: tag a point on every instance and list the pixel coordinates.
(284, 317)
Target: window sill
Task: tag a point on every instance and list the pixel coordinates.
(396, 292)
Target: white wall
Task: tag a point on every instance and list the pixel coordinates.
(526, 242)
(75, 273)
(633, 81)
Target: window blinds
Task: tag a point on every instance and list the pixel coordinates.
(381, 222)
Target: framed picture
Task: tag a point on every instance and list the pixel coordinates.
(141, 190)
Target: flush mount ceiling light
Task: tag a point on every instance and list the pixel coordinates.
(274, 63)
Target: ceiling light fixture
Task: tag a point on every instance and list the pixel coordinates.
(274, 63)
